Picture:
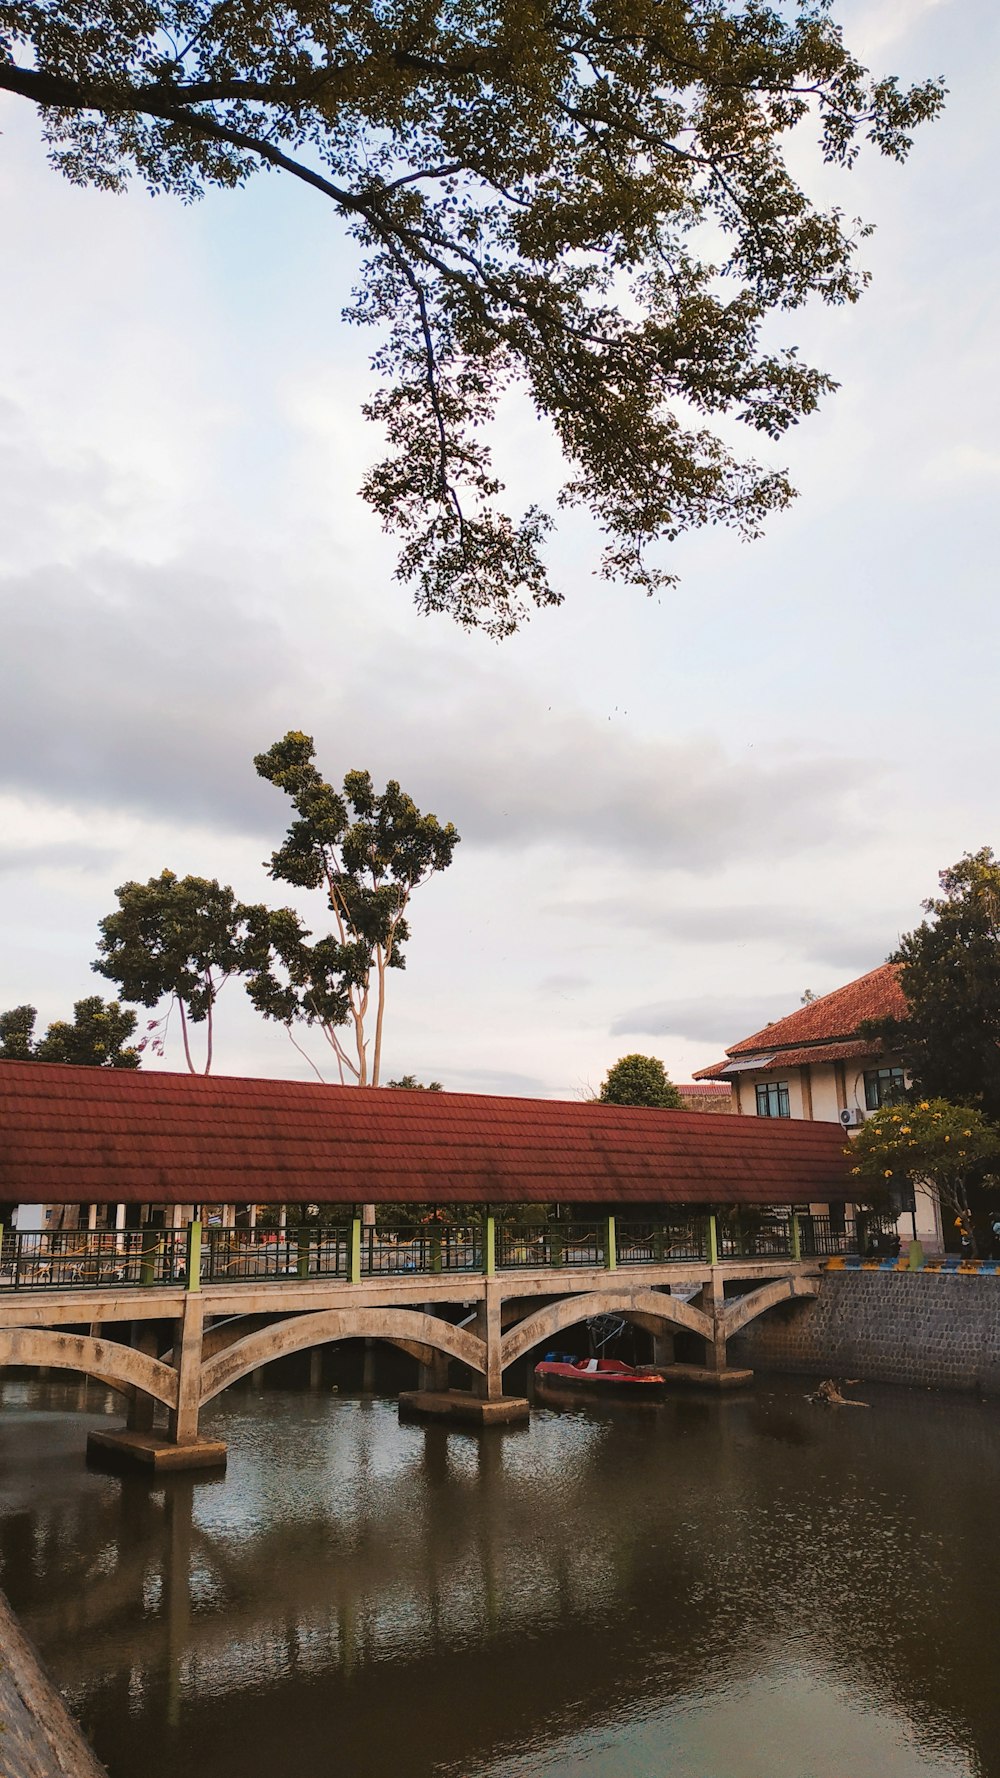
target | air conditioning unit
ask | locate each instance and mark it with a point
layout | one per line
(851, 1117)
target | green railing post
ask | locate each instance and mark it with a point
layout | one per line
(611, 1246)
(712, 1239)
(796, 1236)
(490, 1246)
(192, 1260)
(354, 1258)
(556, 1246)
(435, 1250)
(302, 1244)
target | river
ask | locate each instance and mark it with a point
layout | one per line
(746, 1588)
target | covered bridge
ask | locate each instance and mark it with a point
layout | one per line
(97, 1136)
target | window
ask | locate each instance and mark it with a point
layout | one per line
(883, 1086)
(772, 1100)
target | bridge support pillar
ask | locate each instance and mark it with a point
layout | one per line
(488, 1327)
(187, 1361)
(141, 1406)
(713, 1298)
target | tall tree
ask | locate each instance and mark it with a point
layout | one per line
(367, 853)
(640, 1080)
(97, 1036)
(589, 202)
(178, 938)
(950, 973)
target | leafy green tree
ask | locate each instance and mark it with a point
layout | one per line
(97, 1037)
(367, 853)
(410, 1083)
(181, 939)
(950, 973)
(17, 1034)
(640, 1080)
(590, 203)
(951, 1147)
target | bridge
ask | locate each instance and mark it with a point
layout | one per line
(465, 1229)
(172, 1318)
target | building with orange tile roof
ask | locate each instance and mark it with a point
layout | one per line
(816, 1065)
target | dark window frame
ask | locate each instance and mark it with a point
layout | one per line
(772, 1098)
(884, 1086)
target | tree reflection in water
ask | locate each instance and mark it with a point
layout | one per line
(743, 1588)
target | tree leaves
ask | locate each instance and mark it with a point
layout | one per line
(587, 202)
(97, 1037)
(368, 851)
(640, 1080)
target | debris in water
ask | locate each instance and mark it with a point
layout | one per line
(829, 1393)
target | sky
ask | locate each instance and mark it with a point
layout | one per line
(677, 813)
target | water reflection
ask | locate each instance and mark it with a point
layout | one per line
(752, 1588)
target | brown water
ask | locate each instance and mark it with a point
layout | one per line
(752, 1588)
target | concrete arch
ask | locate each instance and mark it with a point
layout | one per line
(122, 1367)
(756, 1302)
(549, 1321)
(297, 1332)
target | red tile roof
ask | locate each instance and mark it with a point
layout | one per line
(836, 1016)
(80, 1135)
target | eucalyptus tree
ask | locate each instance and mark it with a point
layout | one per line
(178, 939)
(367, 853)
(590, 201)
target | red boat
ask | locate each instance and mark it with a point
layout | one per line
(601, 1374)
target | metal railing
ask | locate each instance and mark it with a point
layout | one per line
(75, 1259)
(233, 1255)
(756, 1236)
(527, 1246)
(84, 1259)
(656, 1243)
(422, 1247)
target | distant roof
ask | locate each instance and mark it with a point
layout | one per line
(83, 1135)
(834, 1018)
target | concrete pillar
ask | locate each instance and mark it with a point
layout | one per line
(713, 1302)
(282, 1218)
(434, 1374)
(663, 1348)
(91, 1216)
(489, 1329)
(119, 1227)
(187, 1362)
(141, 1406)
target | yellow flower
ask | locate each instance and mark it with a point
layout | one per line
(924, 1105)
(966, 1132)
(905, 1130)
(947, 1138)
(888, 1173)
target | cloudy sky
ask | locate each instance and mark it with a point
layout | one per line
(677, 813)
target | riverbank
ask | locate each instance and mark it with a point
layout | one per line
(934, 1330)
(38, 1737)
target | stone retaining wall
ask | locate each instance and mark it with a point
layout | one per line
(923, 1328)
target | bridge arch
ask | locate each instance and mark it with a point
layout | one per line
(547, 1322)
(403, 1327)
(744, 1309)
(107, 1361)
